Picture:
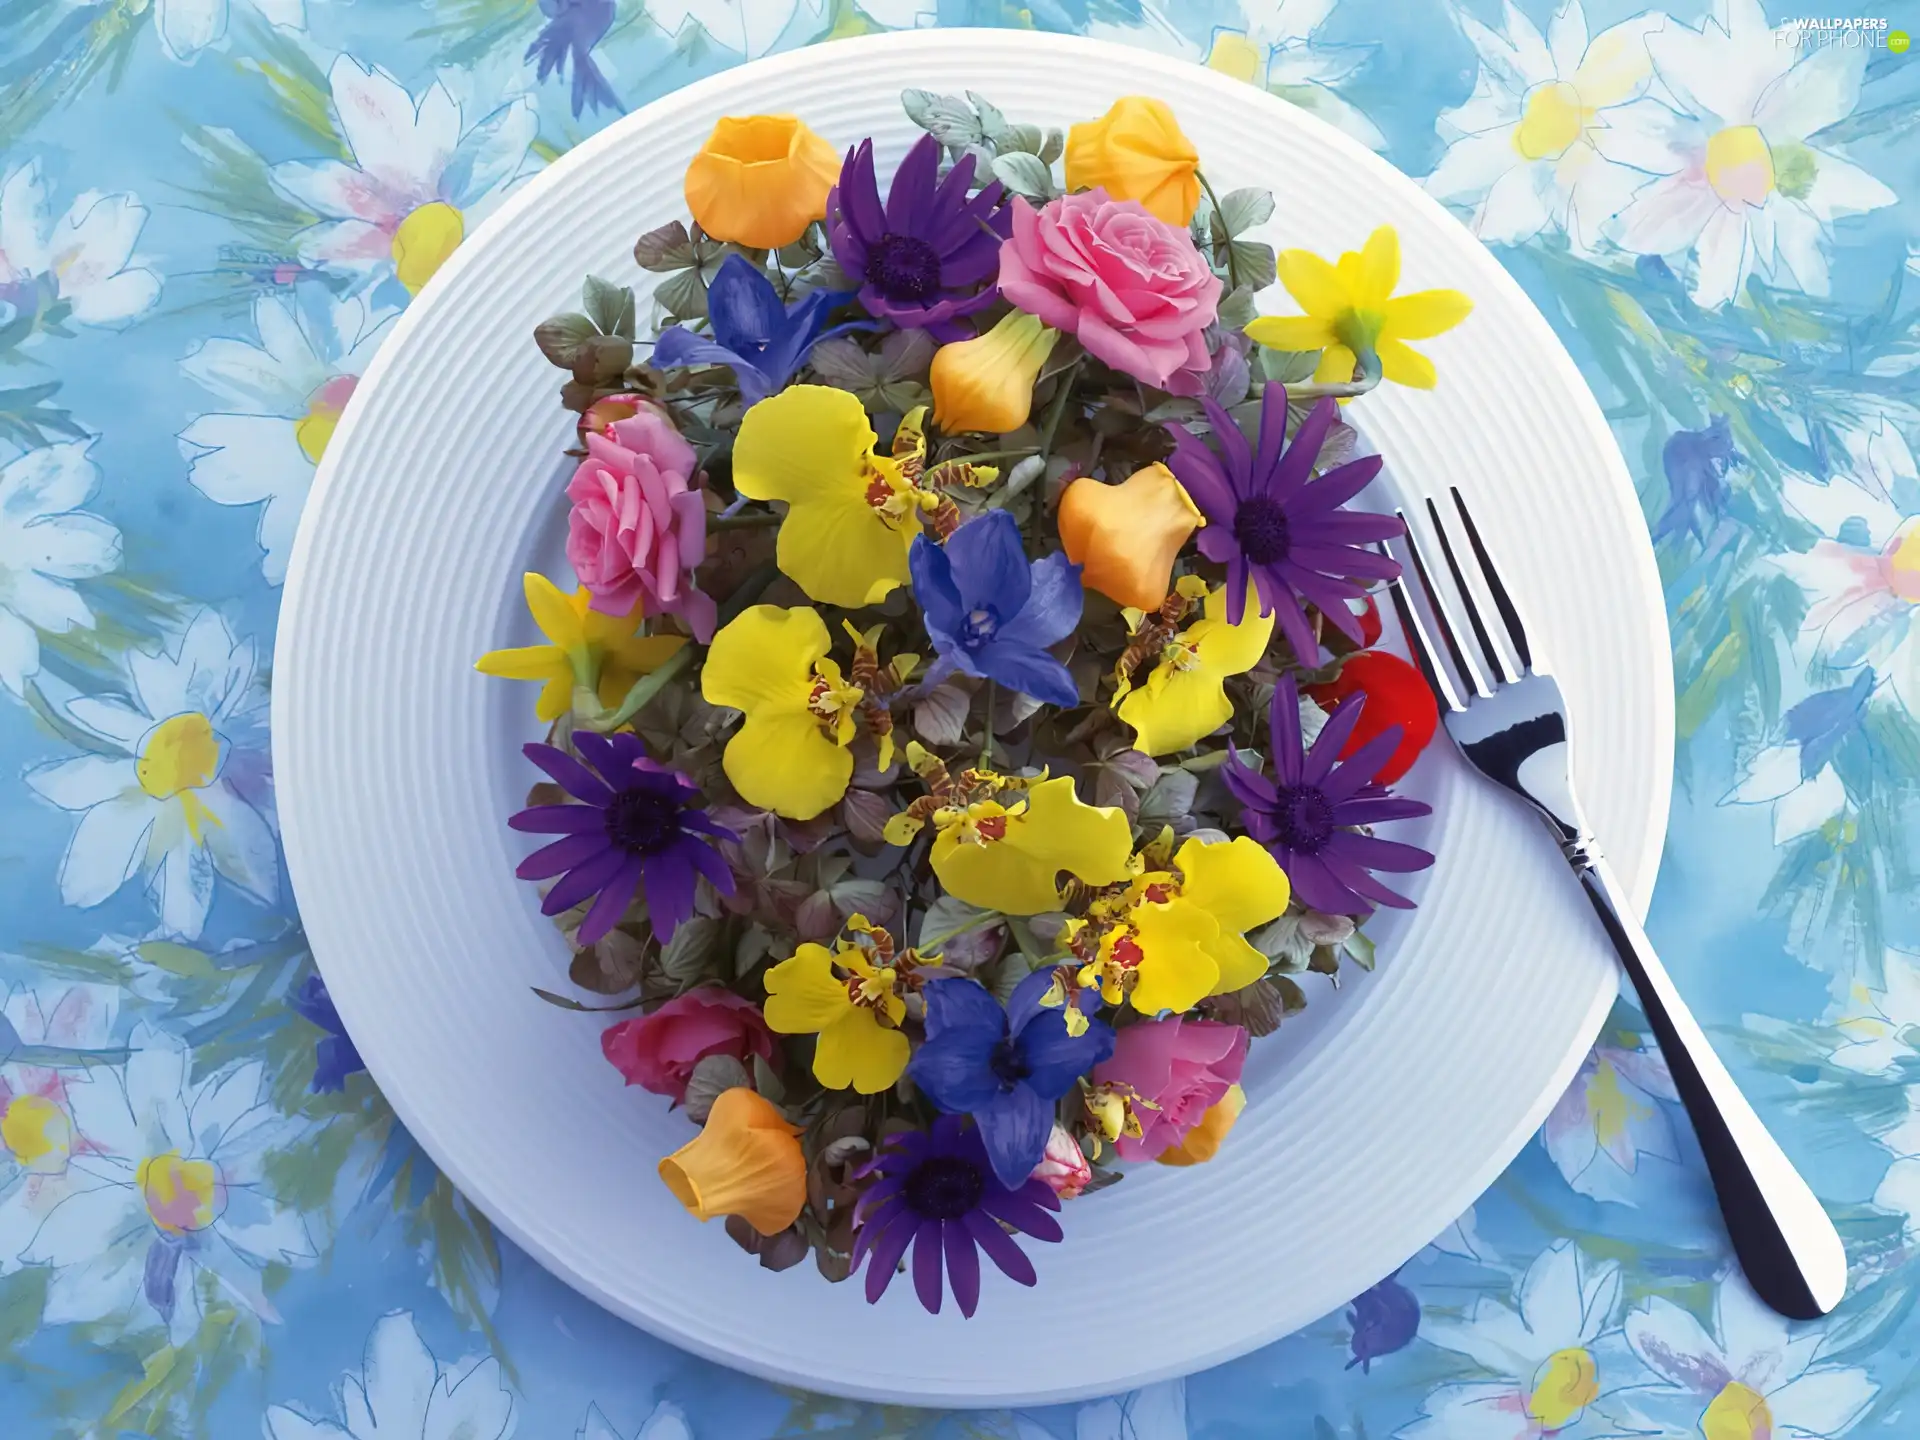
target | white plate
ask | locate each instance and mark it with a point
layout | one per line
(1374, 1121)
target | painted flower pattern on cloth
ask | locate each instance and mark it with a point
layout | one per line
(1745, 183)
(404, 1393)
(83, 265)
(422, 174)
(1538, 1351)
(281, 400)
(1748, 1374)
(173, 794)
(1610, 1117)
(47, 542)
(1527, 151)
(179, 1210)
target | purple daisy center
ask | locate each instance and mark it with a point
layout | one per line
(1261, 530)
(642, 821)
(1303, 818)
(904, 268)
(944, 1187)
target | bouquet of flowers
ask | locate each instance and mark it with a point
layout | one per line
(964, 728)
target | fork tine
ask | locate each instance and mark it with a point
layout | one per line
(1509, 613)
(1424, 655)
(1497, 666)
(1463, 666)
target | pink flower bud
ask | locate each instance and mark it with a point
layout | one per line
(1063, 1167)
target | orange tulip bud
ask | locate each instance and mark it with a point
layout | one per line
(986, 383)
(1202, 1142)
(760, 180)
(1127, 535)
(746, 1162)
(1137, 152)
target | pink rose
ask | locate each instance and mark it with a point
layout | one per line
(1131, 287)
(1063, 1167)
(638, 526)
(1183, 1066)
(658, 1052)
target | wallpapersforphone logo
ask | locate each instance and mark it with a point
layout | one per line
(1854, 32)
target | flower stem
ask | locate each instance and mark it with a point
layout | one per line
(986, 727)
(1059, 407)
(1366, 363)
(676, 664)
(1233, 270)
(978, 455)
(745, 520)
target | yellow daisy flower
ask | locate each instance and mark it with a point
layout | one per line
(1351, 309)
(1185, 696)
(600, 654)
(852, 1004)
(790, 754)
(852, 513)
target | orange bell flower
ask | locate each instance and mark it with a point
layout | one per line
(760, 180)
(1202, 1142)
(986, 384)
(1127, 535)
(1136, 151)
(746, 1162)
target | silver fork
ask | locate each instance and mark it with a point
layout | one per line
(1511, 724)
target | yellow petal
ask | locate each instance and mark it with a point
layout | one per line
(812, 447)
(557, 614)
(524, 662)
(1336, 364)
(857, 1052)
(784, 763)
(1017, 875)
(804, 996)
(1176, 971)
(1240, 963)
(1175, 708)
(1424, 313)
(1379, 268)
(763, 659)
(1616, 66)
(1236, 881)
(1234, 54)
(1314, 283)
(1291, 332)
(1404, 365)
(1231, 649)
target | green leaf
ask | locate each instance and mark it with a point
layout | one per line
(1007, 975)
(664, 249)
(1170, 798)
(1253, 262)
(948, 917)
(1053, 147)
(1241, 210)
(1025, 174)
(1359, 949)
(1237, 309)
(766, 1082)
(683, 295)
(1289, 367)
(1024, 138)
(993, 125)
(561, 337)
(609, 306)
(690, 956)
(947, 118)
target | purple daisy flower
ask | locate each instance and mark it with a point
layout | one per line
(931, 255)
(1306, 814)
(638, 829)
(1268, 519)
(936, 1190)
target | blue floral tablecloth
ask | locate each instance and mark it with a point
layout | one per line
(211, 211)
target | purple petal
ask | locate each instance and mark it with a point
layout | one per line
(989, 564)
(605, 912)
(963, 1266)
(1021, 1213)
(1198, 470)
(1377, 854)
(568, 773)
(710, 863)
(1248, 785)
(1273, 433)
(669, 881)
(1054, 601)
(1332, 737)
(1345, 527)
(559, 820)
(1283, 726)
(859, 195)
(1316, 886)
(957, 1003)
(926, 1265)
(908, 199)
(1373, 809)
(1297, 464)
(1342, 560)
(1335, 487)
(872, 1224)
(933, 586)
(1014, 1125)
(586, 880)
(1001, 1249)
(1041, 1194)
(1029, 670)
(1235, 454)
(1362, 883)
(883, 1257)
(1277, 597)
(1356, 772)
(562, 855)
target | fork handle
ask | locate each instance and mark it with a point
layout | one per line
(1788, 1247)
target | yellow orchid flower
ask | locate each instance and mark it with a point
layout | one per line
(601, 654)
(1185, 696)
(790, 754)
(852, 513)
(852, 1004)
(1181, 937)
(1009, 857)
(1351, 309)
